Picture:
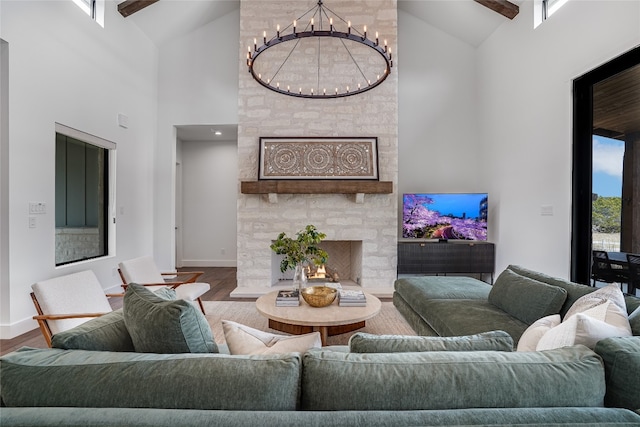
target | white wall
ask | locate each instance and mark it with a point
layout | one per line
(525, 77)
(440, 149)
(65, 68)
(209, 200)
(438, 122)
(197, 84)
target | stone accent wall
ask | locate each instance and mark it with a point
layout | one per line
(266, 113)
(73, 244)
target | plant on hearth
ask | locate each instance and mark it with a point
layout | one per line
(301, 250)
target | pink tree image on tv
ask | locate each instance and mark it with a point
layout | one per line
(447, 216)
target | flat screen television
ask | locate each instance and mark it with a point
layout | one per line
(444, 216)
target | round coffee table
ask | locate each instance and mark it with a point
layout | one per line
(330, 320)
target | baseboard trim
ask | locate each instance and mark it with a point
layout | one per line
(13, 330)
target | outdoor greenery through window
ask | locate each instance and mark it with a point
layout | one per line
(606, 209)
(82, 199)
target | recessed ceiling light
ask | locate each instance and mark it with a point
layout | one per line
(216, 132)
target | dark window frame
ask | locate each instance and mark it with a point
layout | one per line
(582, 174)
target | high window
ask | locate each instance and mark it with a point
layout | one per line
(543, 9)
(549, 7)
(82, 195)
(93, 8)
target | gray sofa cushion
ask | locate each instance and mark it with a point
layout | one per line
(104, 333)
(622, 367)
(361, 342)
(158, 325)
(524, 298)
(419, 293)
(419, 325)
(52, 377)
(570, 376)
(451, 317)
(441, 287)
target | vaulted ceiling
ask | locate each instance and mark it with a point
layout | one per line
(471, 21)
(616, 101)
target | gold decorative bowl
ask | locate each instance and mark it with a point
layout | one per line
(319, 296)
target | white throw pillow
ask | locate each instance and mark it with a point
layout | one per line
(610, 293)
(587, 328)
(242, 339)
(531, 336)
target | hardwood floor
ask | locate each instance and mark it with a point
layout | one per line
(221, 279)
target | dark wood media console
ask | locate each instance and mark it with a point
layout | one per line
(452, 257)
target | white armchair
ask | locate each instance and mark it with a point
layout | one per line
(143, 271)
(67, 301)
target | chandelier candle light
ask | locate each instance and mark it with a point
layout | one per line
(342, 63)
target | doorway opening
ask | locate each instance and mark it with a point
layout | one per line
(206, 195)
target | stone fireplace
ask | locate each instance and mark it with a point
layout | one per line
(363, 224)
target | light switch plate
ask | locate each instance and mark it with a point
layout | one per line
(546, 210)
(37, 208)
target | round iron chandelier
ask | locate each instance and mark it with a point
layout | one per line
(328, 58)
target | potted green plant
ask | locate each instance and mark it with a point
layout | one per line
(300, 252)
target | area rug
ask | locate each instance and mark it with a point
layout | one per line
(388, 321)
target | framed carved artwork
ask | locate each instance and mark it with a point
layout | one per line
(318, 158)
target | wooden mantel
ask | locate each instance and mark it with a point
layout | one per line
(324, 186)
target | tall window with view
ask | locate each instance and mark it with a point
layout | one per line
(606, 211)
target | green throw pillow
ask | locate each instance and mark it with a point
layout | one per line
(361, 342)
(524, 298)
(621, 357)
(166, 293)
(104, 333)
(158, 325)
(634, 321)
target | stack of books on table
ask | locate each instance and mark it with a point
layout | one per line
(351, 298)
(288, 298)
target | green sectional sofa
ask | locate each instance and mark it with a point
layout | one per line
(46, 387)
(98, 379)
(454, 306)
(451, 306)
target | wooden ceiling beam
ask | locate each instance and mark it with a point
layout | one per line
(503, 7)
(129, 7)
